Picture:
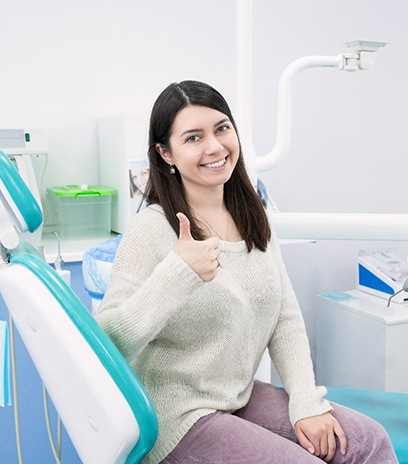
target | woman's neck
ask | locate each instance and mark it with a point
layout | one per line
(210, 202)
(213, 218)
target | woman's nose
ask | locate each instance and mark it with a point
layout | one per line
(212, 145)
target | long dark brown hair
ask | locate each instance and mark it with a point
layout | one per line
(166, 189)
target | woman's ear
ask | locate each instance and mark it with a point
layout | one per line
(165, 154)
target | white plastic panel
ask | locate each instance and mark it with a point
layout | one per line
(94, 412)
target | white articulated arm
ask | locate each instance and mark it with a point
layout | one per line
(361, 58)
(340, 226)
(284, 106)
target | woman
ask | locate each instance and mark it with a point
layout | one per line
(198, 291)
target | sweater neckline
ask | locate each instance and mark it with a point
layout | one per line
(231, 247)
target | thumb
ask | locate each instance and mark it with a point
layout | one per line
(184, 233)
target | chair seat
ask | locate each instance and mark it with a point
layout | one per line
(389, 409)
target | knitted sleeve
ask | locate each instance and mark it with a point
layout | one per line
(148, 283)
(289, 350)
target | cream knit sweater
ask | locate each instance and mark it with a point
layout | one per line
(196, 346)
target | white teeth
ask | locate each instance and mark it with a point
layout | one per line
(216, 165)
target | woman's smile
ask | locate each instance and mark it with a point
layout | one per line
(216, 164)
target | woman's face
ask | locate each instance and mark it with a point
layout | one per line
(203, 146)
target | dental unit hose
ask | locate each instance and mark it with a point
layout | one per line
(55, 447)
(59, 263)
(403, 289)
(58, 260)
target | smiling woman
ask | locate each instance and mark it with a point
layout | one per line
(199, 291)
(197, 167)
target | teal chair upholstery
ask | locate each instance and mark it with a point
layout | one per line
(389, 409)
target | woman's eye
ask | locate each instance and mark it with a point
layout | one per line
(223, 128)
(193, 138)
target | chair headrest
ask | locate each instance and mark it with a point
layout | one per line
(19, 210)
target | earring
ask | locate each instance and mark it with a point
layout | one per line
(172, 169)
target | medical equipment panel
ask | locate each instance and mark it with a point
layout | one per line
(383, 273)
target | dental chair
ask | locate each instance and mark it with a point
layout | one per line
(105, 410)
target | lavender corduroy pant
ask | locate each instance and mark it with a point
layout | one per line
(260, 433)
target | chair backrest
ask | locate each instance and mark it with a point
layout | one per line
(106, 411)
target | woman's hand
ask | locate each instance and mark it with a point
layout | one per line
(201, 256)
(317, 435)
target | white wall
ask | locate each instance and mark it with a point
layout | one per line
(67, 64)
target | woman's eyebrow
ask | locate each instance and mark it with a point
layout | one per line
(190, 131)
(222, 121)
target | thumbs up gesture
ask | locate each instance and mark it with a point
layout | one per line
(200, 255)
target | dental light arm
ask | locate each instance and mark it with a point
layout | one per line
(284, 107)
(326, 226)
(340, 226)
(361, 58)
(304, 226)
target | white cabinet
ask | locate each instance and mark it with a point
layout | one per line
(123, 144)
(361, 343)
